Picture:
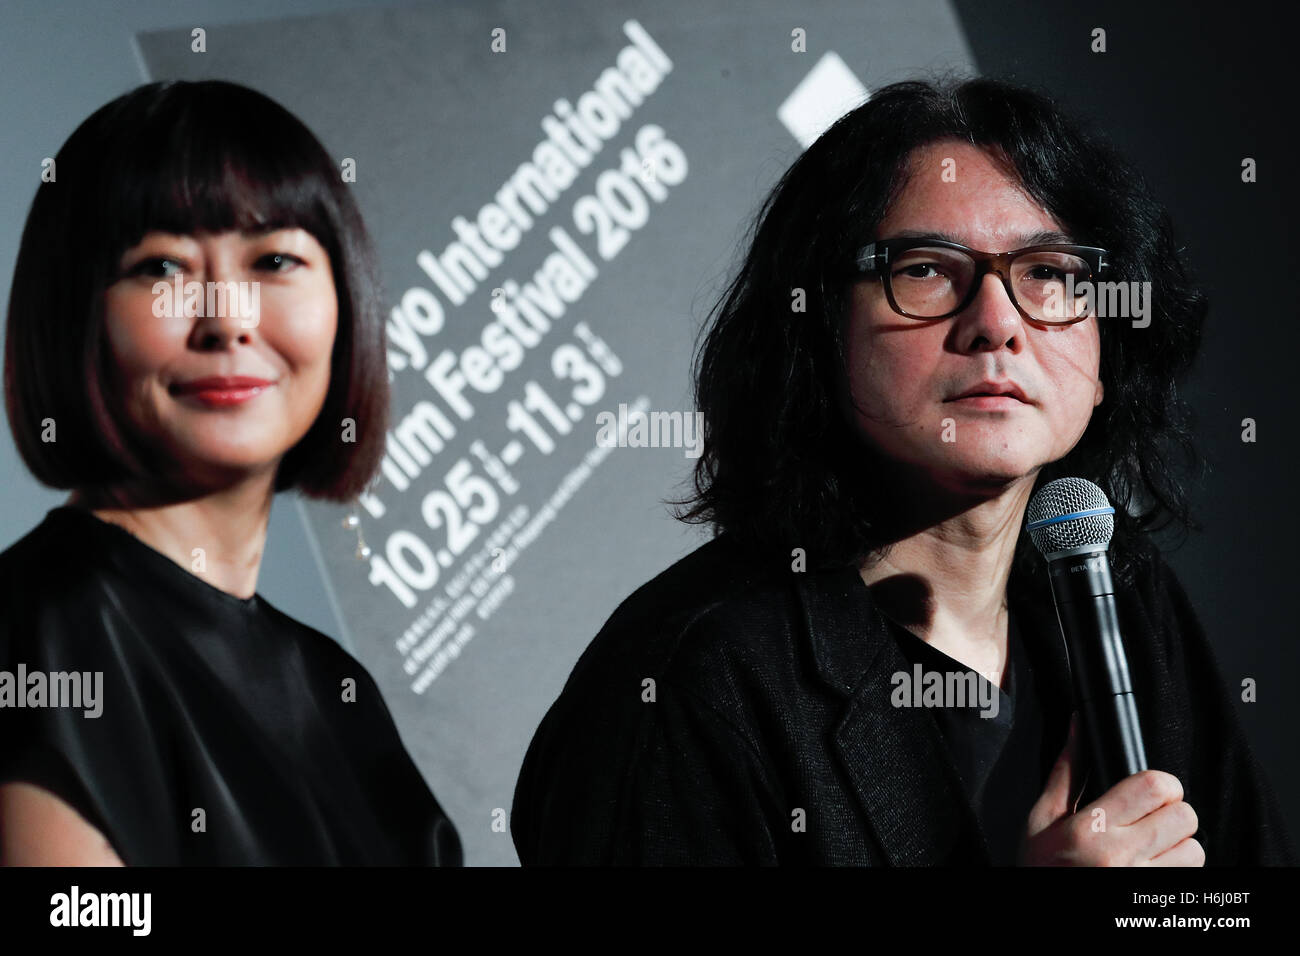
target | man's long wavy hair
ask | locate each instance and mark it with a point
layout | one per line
(783, 467)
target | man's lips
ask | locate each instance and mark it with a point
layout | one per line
(990, 402)
(1005, 389)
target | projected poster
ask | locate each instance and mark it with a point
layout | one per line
(558, 195)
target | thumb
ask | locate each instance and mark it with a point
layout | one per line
(1056, 801)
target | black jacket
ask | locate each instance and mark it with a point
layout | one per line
(719, 700)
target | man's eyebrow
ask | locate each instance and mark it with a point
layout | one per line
(1025, 239)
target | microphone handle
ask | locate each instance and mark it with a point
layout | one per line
(1085, 608)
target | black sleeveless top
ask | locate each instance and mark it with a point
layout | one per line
(192, 726)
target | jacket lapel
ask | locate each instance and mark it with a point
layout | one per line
(895, 757)
(1041, 630)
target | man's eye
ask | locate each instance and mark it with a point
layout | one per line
(1047, 274)
(279, 261)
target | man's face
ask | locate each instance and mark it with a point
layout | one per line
(905, 373)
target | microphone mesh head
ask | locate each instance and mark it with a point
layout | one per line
(1069, 513)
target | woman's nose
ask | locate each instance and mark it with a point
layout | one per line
(232, 299)
(220, 330)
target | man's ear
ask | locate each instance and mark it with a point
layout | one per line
(1101, 392)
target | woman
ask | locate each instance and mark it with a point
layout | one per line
(868, 490)
(212, 728)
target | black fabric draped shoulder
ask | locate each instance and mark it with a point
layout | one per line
(210, 729)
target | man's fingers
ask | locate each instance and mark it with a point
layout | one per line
(1136, 796)
(1055, 801)
(1187, 853)
(1163, 829)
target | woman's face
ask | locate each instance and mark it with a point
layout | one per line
(285, 341)
(904, 373)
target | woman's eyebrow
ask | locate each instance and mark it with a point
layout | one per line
(1025, 239)
(257, 232)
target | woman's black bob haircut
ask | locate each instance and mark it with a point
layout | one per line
(782, 466)
(184, 158)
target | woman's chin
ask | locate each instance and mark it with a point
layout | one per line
(206, 463)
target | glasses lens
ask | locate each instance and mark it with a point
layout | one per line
(1052, 286)
(930, 281)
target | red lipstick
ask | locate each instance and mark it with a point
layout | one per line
(222, 391)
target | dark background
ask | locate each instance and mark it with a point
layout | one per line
(1186, 91)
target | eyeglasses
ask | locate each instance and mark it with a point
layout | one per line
(935, 279)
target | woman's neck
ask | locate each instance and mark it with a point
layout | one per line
(219, 537)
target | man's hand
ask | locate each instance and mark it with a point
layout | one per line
(1146, 821)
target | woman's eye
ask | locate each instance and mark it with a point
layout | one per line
(156, 267)
(279, 261)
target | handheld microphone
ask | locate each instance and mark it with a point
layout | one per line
(1071, 521)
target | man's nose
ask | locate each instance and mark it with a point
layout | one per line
(991, 315)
